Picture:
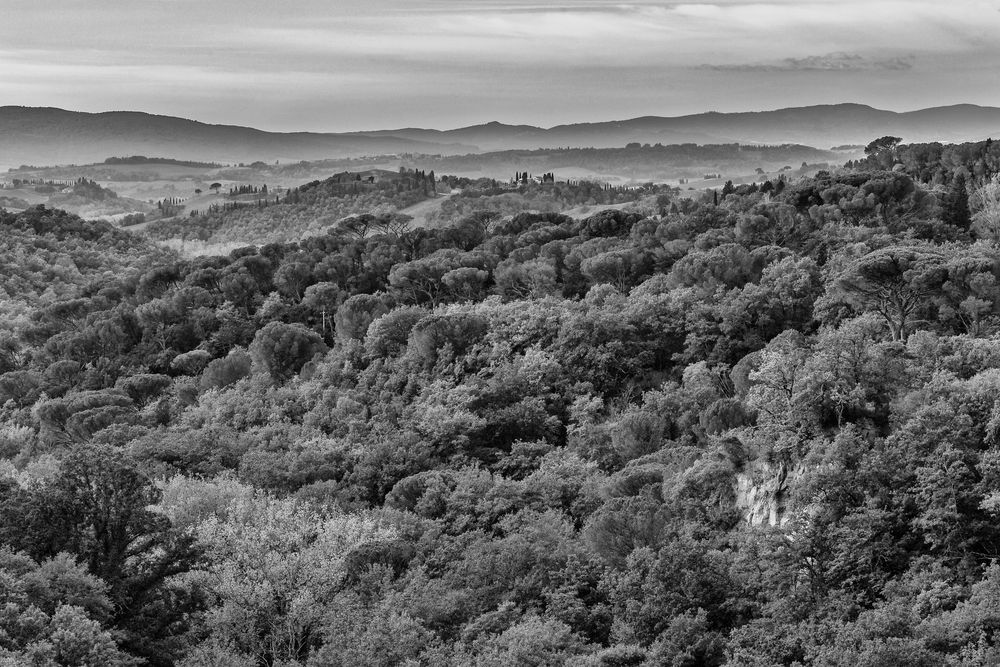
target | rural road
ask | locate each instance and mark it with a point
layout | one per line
(421, 210)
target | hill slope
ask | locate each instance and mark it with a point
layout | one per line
(54, 136)
(821, 126)
(48, 136)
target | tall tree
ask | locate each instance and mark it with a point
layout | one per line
(893, 282)
(955, 207)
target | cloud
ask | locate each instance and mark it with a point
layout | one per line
(830, 62)
(351, 65)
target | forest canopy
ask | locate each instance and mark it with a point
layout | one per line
(751, 427)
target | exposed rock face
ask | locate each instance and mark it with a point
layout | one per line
(762, 493)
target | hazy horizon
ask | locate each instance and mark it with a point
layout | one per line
(487, 121)
(425, 63)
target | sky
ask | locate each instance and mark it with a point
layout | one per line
(338, 65)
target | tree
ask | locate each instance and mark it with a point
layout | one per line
(531, 279)
(392, 223)
(276, 566)
(322, 300)
(895, 282)
(357, 225)
(97, 508)
(955, 207)
(292, 277)
(76, 417)
(64, 637)
(433, 333)
(224, 372)
(143, 387)
(985, 206)
(421, 280)
(969, 298)
(191, 363)
(530, 641)
(21, 387)
(387, 336)
(776, 381)
(465, 283)
(56, 581)
(281, 350)
(783, 298)
(621, 268)
(357, 313)
(882, 145)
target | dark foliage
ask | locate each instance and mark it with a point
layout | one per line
(752, 429)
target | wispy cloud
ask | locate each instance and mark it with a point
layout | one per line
(348, 65)
(830, 62)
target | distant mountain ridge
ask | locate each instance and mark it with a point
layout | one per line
(821, 126)
(44, 136)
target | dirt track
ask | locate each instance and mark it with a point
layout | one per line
(421, 210)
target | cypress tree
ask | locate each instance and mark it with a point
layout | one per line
(956, 202)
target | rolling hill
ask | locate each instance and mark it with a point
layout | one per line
(54, 136)
(821, 126)
(45, 136)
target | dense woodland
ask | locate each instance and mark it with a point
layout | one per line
(755, 428)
